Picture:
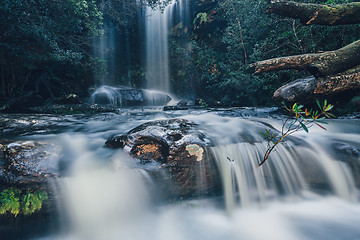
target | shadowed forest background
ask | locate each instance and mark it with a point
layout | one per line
(47, 49)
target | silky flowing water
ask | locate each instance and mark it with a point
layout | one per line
(306, 190)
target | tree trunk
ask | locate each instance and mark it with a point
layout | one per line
(317, 13)
(309, 88)
(318, 64)
(298, 90)
(338, 83)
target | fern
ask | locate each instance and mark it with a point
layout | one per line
(10, 202)
(25, 202)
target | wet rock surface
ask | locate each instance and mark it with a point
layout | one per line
(349, 154)
(14, 125)
(68, 99)
(122, 96)
(29, 162)
(180, 152)
(71, 108)
(29, 167)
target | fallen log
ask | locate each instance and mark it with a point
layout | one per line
(318, 64)
(297, 90)
(320, 14)
(333, 71)
(337, 83)
(305, 89)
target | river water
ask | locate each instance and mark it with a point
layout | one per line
(308, 189)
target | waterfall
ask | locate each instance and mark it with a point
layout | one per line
(157, 27)
(157, 52)
(104, 48)
(300, 166)
(290, 173)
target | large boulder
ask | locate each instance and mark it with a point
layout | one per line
(175, 153)
(125, 96)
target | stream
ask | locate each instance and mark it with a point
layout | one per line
(308, 189)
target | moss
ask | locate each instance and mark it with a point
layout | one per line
(25, 202)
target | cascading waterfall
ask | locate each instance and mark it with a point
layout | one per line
(247, 185)
(157, 50)
(288, 172)
(157, 27)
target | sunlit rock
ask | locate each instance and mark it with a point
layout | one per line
(195, 150)
(185, 163)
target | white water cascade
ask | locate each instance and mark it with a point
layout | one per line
(157, 50)
(157, 27)
(308, 189)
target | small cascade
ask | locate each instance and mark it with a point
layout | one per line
(289, 174)
(155, 98)
(107, 95)
(124, 96)
(245, 184)
(102, 198)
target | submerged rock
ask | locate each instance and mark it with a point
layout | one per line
(181, 153)
(174, 108)
(349, 154)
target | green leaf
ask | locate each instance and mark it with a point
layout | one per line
(323, 122)
(331, 115)
(329, 107)
(304, 127)
(318, 103)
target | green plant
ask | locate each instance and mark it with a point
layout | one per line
(298, 120)
(17, 201)
(9, 201)
(201, 18)
(32, 201)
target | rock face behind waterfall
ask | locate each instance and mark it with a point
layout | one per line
(184, 163)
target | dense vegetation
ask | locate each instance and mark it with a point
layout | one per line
(46, 48)
(236, 33)
(46, 45)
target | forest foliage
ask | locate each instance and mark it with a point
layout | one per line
(241, 33)
(45, 43)
(47, 47)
